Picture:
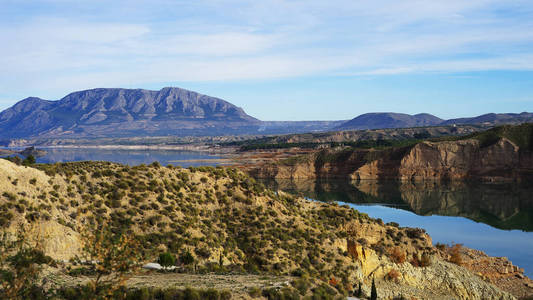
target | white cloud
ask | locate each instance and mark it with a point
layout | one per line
(135, 42)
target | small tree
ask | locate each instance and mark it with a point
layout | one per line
(374, 291)
(166, 259)
(111, 257)
(29, 160)
(186, 257)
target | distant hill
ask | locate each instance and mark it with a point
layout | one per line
(397, 120)
(493, 119)
(390, 120)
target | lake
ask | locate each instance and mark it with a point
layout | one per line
(130, 157)
(494, 218)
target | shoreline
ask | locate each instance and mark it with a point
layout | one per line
(188, 147)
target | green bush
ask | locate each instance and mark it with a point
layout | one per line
(186, 257)
(30, 160)
(167, 259)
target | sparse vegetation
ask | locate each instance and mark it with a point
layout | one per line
(20, 267)
(110, 257)
(149, 293)
(397, 255)
(455, 254)
(202, 220)
(393, 275)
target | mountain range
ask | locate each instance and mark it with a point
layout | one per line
(116, 112)
(123, 112)
(398, 120)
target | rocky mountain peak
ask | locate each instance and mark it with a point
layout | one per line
(95, 110)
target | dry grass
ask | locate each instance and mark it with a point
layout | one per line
(397, 255)
(455, 254)
(393, 275)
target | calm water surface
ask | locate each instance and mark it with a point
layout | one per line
(494, 218)
(130, 157)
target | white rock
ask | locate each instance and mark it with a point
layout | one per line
(152, 266)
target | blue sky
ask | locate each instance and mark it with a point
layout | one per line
(279, 60)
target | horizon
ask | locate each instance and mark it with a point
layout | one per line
(310, 61)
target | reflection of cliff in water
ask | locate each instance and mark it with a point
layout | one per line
(502, 205)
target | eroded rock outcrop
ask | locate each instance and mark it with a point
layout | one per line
(449, 160)
(403, 274)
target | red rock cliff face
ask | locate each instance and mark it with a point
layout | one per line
(455, 160)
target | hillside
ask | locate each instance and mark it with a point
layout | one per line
(502, 153)
(352, 138)
(228, 223)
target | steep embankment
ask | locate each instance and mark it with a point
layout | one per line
(229, 222)
(502, 153)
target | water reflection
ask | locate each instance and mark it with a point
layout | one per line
(500, 205)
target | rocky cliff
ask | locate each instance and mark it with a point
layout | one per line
(448, 160)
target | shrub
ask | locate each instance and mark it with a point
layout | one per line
(186, 257)
(254, 292)
(425, 261)
(440, 246)
(397, 255)
(394, 224)
(455, 254)
(30, 160)
(202, 252)
(415, 233)
(302, 285)
(393, 275)
(166, 259)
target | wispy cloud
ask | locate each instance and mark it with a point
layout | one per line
(63, 46)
